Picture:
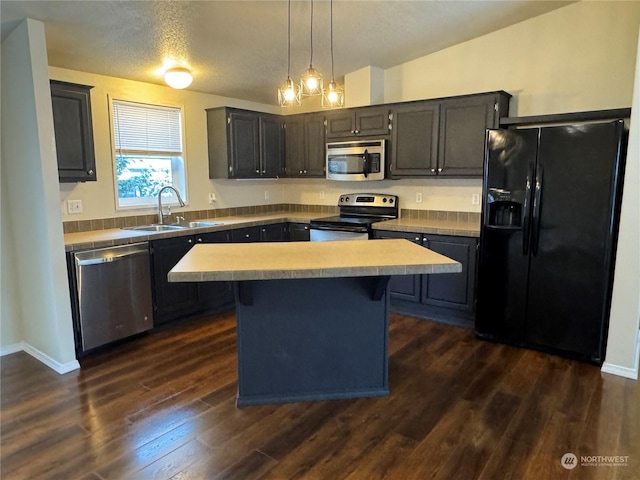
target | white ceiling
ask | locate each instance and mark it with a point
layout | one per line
(239, 48)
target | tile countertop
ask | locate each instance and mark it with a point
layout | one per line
(441, 227)
(117, 236)
(298, 260)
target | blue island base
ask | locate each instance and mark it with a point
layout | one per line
(312, 339)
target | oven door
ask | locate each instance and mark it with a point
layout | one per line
(327, 233)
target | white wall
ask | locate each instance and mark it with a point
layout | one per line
(35, 287)
(623, 352)
(579, 57)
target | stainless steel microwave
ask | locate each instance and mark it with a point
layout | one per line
(356, 161)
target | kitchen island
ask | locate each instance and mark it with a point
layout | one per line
(312, 317)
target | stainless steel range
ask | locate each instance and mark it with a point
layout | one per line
(358, 212)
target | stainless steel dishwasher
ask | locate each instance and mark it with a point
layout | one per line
(114, 293)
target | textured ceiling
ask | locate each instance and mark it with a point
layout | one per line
(239, 48)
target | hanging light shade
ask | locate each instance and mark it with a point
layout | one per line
(333, 95)
(178, 77)
(311, 80)
(289, 92)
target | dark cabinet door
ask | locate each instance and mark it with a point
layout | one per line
(272, 146)
(372, 121)
(462, 132)
(73, 128)
(299, 232)
(305, 142)
(451, 290)
(273, 233)
(403, 287)
(414, 146)
(244, 144)
(215, 296)
(314, 145)
(340, 124)
(359, 122)
(245, 235)
(171, 300)
(295, 145)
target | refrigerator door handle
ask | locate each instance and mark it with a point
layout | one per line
(537, 205)
(526, 207)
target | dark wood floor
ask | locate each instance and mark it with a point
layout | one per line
(162, 407)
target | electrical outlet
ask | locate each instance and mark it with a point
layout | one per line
(266, 194)
(418, 197)
(74, 207)
(212, 198)
(321, 194)
(475, 199)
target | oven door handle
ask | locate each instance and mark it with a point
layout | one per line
(339, 228)
(366, 164)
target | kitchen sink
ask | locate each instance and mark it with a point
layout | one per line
(154, 228)
(195, 224)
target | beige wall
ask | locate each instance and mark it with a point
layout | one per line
(579, 57)
(35, 278)
(623, 351)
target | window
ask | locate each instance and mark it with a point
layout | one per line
(148, 153)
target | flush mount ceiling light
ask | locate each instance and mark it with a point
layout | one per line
(311, 80)
(289, 92)
(333, 95)
(178, 77)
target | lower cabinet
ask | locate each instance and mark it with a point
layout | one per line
(173, 301)
(447, 297)
(299, 232)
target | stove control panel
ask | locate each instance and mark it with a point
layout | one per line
(367, 200)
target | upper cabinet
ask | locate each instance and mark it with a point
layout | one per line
(414, 145)
(441, 137)
(444, 137)
(71, 106)
(357, 122)
(304, 141)
(245, 144)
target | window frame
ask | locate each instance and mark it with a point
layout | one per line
(148, 202)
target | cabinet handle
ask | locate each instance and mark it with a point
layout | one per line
(417, 240)
(89, 172)
(247, 235)
(264, 171)
(433, 169)
(306, 227)
(356, 132)
(199, 240)
(305, 171)
(190, 240)
(440, 169)
(257, 171)
(300, 171)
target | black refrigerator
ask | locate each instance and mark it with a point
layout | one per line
(550, 213)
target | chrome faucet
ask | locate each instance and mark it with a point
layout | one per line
(161, 215)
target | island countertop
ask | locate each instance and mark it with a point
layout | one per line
(297, 260)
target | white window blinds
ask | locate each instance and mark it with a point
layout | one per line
(140, 128)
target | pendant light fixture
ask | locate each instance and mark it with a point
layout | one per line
(311, 80)
(333, 95)
(289, 92)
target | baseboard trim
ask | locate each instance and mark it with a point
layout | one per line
(13, 348)
(626, 372)
(58, 367)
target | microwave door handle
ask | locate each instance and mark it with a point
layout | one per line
(365, 164)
